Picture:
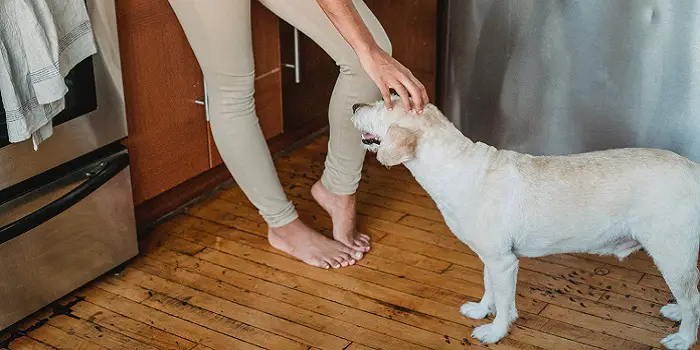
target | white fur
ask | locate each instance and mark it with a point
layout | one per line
(505, 205)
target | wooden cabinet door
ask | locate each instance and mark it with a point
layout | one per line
(305, 102)
(268, 78)
(168, 139)
(413, 35)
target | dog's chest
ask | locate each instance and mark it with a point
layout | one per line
(461, 220)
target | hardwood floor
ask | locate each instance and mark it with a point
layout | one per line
(208, 279)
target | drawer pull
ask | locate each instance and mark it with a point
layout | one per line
(204, 102)
(297, 69)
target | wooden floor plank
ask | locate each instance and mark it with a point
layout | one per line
(218, 264)
(60, 339)
(597, 295)
(201, 347)
(226, 316)
(425, 224)
(163, 321)
(601, 340)
(27, 343)
(97, 334)
(302, 323)
(594, 267)
(407, 258)
(356, 346)
(111, 284)
(400, 298)
(632, 263)
(654, 281)
(307, 302)
(628, 302)
(189, 308)
(137, 330)
(598, 324)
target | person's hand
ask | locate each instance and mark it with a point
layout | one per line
(388, 73)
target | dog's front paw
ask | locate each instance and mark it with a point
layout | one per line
(489, 333)
(677, 341)
(475, 311)
(672, 312)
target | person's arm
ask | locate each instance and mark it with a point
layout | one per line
(385, 71)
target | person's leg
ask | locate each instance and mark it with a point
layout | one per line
(219, 32)
(335, 191)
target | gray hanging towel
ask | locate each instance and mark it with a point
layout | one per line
(40, 42)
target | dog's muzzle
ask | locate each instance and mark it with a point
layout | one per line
(369, 139)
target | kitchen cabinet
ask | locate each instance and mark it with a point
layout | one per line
(173, 156)
(167, 141)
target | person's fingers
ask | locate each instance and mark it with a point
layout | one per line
(386, 95)
(424, 92)
(416, 95)
(401, 90)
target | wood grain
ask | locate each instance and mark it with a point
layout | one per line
(167, 131)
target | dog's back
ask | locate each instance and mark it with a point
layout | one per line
(616, 195)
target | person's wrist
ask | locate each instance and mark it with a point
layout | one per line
(367, 50)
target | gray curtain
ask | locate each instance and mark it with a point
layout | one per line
(566, 76)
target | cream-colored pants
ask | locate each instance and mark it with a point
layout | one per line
(220, 34)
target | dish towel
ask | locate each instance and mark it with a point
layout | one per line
(40, 42)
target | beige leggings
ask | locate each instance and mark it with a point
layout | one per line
(219, 32)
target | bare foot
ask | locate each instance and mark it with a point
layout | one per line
(311, 247)
(343, 213)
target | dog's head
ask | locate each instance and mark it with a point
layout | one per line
(392, 134)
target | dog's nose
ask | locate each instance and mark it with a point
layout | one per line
(356, 106)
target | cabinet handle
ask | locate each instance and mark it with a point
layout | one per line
(204, 103)
(297, 69)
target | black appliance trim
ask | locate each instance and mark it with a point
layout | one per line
(111, 168)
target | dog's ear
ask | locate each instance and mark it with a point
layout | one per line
(398, 146)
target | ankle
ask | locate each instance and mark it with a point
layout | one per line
(345, 200)
(322, 193)
(286, 230)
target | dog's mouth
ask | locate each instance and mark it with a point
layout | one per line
(369, 139)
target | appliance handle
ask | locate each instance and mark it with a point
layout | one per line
(95, 180)
(297, 68)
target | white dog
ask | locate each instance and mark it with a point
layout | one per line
(505, 204)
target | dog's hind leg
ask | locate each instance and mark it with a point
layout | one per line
(502, 274)
(625, 248)
(678, 265)
(484, 307)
